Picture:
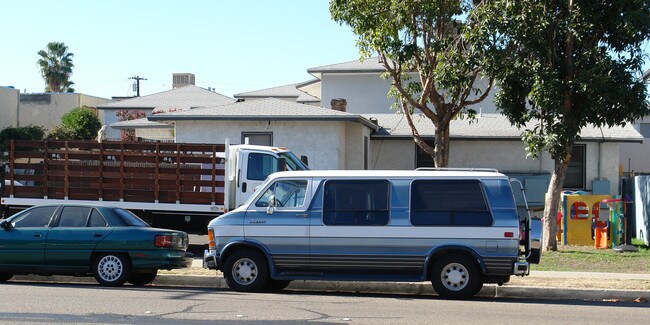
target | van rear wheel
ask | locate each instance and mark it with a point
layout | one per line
(455, 276)
(246, 270)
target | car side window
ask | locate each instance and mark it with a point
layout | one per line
(74, 217)
(287, 194)
(96, 219)
(34, 218)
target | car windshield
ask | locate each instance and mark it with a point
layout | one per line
(124, 218)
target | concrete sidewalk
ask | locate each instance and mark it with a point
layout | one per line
(415, 288)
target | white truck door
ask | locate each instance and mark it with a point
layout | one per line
(253, 169)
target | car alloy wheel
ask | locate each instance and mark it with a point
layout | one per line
(111, 269)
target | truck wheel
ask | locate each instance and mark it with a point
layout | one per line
(112, 269)
(140, 279)
(4, 277)
(246, 270)
(455, 276)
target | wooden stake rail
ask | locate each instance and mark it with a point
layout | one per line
(113, 171)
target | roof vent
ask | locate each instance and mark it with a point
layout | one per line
(182, 79)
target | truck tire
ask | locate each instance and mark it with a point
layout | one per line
(456, 276)
(246, 270)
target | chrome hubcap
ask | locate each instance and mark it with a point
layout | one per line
(244, 271)
(454, 276)
(110, 268)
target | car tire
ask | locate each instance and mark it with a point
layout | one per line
(456, 276)
(112, 269)
(4, 277)
(140, 279)
(277, 285)
(246, 270)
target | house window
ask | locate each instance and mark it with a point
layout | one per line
(258, 138)
(575, 174)
(423, 159)
(356, 203)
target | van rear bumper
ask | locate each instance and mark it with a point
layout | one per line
(521, 268)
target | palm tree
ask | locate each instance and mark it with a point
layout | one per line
(56, 67)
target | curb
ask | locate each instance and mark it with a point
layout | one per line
(399, 288)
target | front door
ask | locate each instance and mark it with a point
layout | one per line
(70, 242)
(279, 221)
(23, 244)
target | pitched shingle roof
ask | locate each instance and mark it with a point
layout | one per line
(141, 123)
(280, 91)
(487, 126)
(181, 98)
(263, 109)
(368, 65)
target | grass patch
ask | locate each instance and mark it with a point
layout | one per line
(589, 259)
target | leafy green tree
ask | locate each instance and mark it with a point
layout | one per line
(30, 132)
(56, 67)
(80, 123)
(423, 46)
(569, 63)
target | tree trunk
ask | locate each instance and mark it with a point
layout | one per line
(552, 204)
(441, 147)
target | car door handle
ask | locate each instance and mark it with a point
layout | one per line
(38, 235)
(97, 235)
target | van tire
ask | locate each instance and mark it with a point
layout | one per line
(455, 276)
(246, 270)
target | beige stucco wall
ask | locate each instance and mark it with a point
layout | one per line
(354, 148)
(505, 156)
(8, 107)
(323, 142)
(46, 109)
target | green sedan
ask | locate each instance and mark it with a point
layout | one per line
(110, 243)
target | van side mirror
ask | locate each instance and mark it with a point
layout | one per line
(271, 207)
(304, 160)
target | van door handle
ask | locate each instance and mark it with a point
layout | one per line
(304, 215)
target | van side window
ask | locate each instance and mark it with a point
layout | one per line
(449, 203)
(260, 166)
(356, 203)
(287, 193)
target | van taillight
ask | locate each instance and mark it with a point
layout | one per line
(211, 243)
(163, 241)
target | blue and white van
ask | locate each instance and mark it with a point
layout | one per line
(458, 229)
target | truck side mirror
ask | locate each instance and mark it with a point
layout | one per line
(304, 160)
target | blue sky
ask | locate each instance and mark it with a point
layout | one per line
(233, 46)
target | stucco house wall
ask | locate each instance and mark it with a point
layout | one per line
(46, 109)
(323, 142)
(9, 100)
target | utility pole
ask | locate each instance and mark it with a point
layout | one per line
(137, 84)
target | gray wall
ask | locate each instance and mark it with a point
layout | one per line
(9, 99)
(46, 109)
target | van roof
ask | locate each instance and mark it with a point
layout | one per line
(465, 173)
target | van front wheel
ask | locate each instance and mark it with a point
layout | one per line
(246, 270)
(455, 276)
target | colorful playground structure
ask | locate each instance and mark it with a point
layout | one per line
(591, 220)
